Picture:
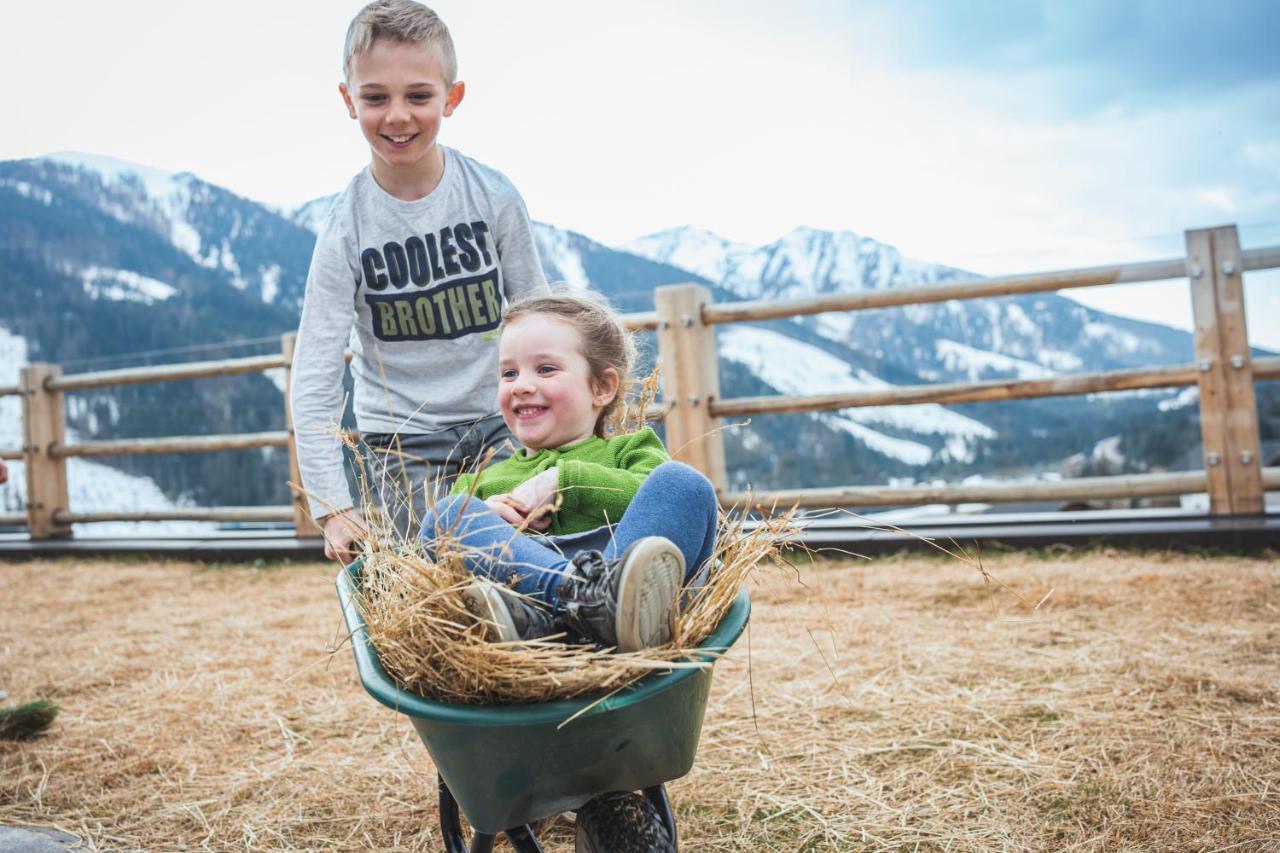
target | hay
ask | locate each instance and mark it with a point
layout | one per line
(1136, 710)
(432, 645)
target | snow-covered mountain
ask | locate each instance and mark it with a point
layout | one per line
(805, 262)
(100, 258)
(1026, 337)
(242, 242)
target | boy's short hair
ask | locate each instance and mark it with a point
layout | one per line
(401, 21)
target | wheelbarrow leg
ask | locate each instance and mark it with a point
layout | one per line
(482, 843)
(450, 825)
(657, 797)
(521, 837)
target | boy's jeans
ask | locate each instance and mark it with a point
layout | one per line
(411, 471)
(674, 501)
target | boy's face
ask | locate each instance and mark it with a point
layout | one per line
(399, 95)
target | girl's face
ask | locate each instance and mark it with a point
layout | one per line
(546, 392)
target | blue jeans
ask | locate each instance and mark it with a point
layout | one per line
(675, 501)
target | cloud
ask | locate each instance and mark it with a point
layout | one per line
(1098, 54)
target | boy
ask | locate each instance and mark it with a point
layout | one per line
(419, 253)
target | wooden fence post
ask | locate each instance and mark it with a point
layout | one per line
(44, 427)
(690, 379)
(303, 523)
(1228, 405)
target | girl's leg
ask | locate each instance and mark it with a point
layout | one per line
(677, 502)
(493, 548)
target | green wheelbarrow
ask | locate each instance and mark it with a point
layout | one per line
(508, 766)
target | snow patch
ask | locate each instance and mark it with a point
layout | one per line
(91, 486)
(1186, 397)
(793, 367)
(270, 283)
(1059, 360)
(27, 190)
(124, 286)
(1108, 451)
(311, 214)
(157, 182)
(1127, 341)
(836, 326)
(276, 375)
(975, 362)
(557, 252)
(1020, 322)
(910, 452)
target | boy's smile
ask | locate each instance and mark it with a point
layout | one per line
(398, 94)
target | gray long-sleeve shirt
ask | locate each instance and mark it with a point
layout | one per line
(417, 290)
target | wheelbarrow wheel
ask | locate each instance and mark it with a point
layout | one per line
(621, 822)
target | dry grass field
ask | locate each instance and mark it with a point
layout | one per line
(894, 704)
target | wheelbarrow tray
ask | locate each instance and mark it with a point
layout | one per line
(508, 765)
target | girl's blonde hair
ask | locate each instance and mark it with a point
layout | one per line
(604, 342)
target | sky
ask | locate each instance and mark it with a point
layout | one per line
(998, 137)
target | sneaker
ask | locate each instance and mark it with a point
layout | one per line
(507, 615)
(627, 604)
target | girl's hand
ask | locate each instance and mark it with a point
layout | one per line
(539, 493)
(509, 510)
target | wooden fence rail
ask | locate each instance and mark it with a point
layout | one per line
(171, 444)
(685, 316)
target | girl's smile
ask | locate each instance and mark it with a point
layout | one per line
(546, 390)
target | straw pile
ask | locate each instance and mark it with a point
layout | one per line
(890, 704)
(432, 645)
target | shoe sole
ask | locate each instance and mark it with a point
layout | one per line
(652, 569)
(487, 602)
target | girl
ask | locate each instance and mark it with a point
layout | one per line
(595, 533)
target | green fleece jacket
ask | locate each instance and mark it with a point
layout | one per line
(597, 477)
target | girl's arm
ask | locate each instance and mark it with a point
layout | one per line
(605, 491)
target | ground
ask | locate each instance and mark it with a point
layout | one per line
(898, 703)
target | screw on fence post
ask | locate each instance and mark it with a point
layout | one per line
(44, 427)
(690, 379)
(1228, 403)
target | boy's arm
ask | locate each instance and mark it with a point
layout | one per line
(605, 491)
(318, 364)
(517, 252)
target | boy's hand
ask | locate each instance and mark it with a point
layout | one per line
(341, 531)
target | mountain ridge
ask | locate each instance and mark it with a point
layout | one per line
(153, 260)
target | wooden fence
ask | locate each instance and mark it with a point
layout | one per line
(684, 316)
